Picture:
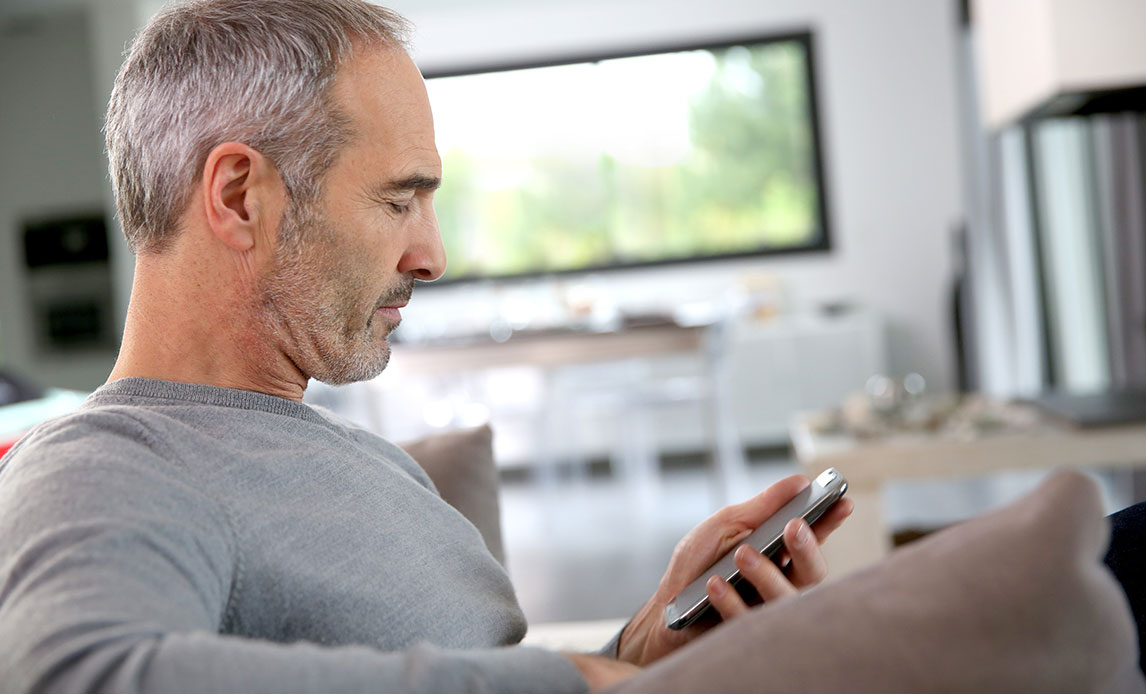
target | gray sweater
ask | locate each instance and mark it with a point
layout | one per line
(169, 537)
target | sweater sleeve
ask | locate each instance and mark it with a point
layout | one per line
(116, 577)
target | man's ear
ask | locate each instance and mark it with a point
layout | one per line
(240, 189)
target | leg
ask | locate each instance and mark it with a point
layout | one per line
(1126, 558)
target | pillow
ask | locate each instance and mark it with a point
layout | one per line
(460, 463)
(1014, 601)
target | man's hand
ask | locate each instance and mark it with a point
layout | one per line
(601, 672)
(647, 638)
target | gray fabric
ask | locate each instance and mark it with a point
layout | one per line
(612, 647)
(182, 538)
(1016, 601)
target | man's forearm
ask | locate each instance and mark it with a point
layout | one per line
(601, 672)
(210, 663)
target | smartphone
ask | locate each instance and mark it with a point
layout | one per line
(809, 504)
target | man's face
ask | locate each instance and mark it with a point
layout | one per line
(346, 264)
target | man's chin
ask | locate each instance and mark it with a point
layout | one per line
(354, 368)
(381, 326)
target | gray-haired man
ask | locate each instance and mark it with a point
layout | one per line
(195, 527)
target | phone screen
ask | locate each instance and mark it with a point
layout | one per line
(809, 504)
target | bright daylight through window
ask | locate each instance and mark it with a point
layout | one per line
(654, 158)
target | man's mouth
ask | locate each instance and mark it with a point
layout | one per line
(392, 314)
(391, 304)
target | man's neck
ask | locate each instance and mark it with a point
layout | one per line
(175, 331)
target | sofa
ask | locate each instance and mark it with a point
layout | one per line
(1013, 601)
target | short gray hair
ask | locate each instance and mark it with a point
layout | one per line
(205, 72)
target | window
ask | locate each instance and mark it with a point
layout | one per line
(668, 156)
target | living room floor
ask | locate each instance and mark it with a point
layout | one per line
(594, 547)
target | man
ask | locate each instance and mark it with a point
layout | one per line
(194, 526)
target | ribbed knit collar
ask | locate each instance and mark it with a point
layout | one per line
(151, 388)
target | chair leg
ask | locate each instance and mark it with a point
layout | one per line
(640, 462)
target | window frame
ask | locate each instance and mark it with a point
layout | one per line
(823, 243)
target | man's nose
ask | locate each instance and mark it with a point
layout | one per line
(425, 257)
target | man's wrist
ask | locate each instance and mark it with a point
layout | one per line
(630, 647)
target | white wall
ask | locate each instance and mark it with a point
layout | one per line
(112, 24)
(51, 164)
(887, 96)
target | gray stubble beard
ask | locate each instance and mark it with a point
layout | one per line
(318, 337)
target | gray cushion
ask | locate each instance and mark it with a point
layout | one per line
(1014, 601)
(460, 463)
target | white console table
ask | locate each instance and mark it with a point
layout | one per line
(870, 465)
(777, 367)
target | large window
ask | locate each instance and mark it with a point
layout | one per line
(671, 156)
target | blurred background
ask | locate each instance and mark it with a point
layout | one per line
(693, 248)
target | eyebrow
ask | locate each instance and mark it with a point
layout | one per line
(415, 182)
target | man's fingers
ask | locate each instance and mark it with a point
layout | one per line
(767, 578)
(833, 518)
(725, 598)
(760, 571)
(759, 508)
(808, 566)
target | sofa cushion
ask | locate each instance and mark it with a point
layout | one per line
(1014, 601)
(460, 463)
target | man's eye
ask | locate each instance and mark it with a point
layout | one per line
(400, 208)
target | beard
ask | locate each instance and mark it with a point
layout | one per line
(315, 299)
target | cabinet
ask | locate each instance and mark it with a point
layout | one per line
(1056, 57)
